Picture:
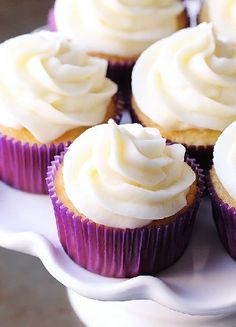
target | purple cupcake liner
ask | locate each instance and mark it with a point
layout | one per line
(121, 104)
(122, 253)
(120, 71)
(24, 166)
(225, 219)
(51, 20)
(187, 14)
(202, 153)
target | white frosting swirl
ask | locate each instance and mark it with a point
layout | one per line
(225, 159)
(118, 27)
(48, 85)
(187, 80)
(125, 176)
(222, 13)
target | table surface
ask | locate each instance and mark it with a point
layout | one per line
(29, 296)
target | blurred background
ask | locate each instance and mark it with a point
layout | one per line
(22, 16)
(29, 296)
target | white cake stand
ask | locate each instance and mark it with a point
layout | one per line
(199, 288)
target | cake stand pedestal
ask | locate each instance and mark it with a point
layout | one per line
(141, 313)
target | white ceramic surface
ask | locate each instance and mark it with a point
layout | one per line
(200, 283)
(140, 314)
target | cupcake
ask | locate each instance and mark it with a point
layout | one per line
(185, 85)
(124, 201)
(222, 13)
(221, 185)
(50, 92)
(118, 30)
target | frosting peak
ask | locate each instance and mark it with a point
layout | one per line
(188, 81)
(225, 159)
(49, 86)
(223, 15)
(118, 27)
(125, 176)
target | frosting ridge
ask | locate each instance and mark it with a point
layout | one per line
(188, 81)
(49, 86)
(125, 176)
(118, 27)
(225, 159)
(222, 13)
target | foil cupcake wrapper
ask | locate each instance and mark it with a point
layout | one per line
(225, 220)
(121, 104)
(51, 23)
(186, 11)
(122, 253)
(24, 166)
(202, 153)
(120, 71)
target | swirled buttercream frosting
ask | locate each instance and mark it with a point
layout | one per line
(222, 13)
(225, 159)
(126, 176)
(117, 27)
(187, 80)
(48, 85)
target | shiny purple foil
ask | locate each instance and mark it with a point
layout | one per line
(225, 220)
(51, 20)
(116, 252)
(202, 153)
(24, 166)
(120, 72)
